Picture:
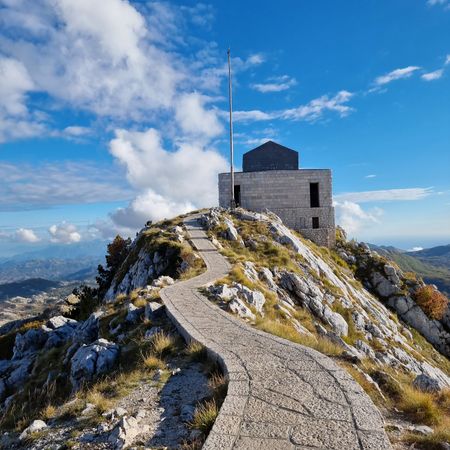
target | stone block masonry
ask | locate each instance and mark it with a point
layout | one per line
(287, 194)
(280, 395)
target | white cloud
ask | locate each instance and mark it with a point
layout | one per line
(255, 60)
(76, 131)
(276, 84)
(26, 235)
(415, 249)
(149, 206)
(250, 116)
(447, 60)
(26, 186)
(445, 3)
(169, 182)
(317, 107)
(352, 218)
(429, 76)
(396, 74)
(64, 233)
(194, 119)
(15, 119)
(385, 195)
(370, 176)
(312, 111)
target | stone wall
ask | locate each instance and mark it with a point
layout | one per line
(287, 194)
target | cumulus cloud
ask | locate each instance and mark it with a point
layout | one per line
(447, 60)
(251, 116)
(169, 182)
(26, 235)
(26, 186)
(415, 249)
(64, 233)
(353, 218)
(430, 76)
(194, 119)
(15, 119)
(275, 84)
(408, 194)
(396, 74)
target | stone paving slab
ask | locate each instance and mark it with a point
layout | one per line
(281, 395)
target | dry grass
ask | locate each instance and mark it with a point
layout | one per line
(196, 351)
(433, 441)
(139, 302)
(162, 343)
(218, 385)
(99, 400)
(204, 416)
(152, 362)
(49, 412)
(287, 331)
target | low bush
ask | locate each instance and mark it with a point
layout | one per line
(433, 303)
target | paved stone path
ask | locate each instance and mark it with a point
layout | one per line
(280, 395)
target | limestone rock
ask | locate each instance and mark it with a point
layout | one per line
(29, 342)
(382, 286)
(87, 331)
(254, 298)
(231, 233)
(125, 432)
(153, 310)
(266, 276)
(36, 425)
(426, 384)
(92, 360)
(133, 313)
(163, 281)
(60, 330)
(238, 307)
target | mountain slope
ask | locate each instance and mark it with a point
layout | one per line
(433, 265)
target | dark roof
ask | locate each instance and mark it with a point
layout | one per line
(270, 156)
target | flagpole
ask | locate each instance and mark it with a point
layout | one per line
(230, 97)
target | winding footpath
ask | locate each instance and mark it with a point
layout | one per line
(281, 395)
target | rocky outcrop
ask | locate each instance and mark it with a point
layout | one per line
(397, 291)
(92, 360)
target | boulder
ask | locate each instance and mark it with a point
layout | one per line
(36, 425)
(426, 384)
(266, 276)
(151, 332)
(153, 310)
(230, 232)
(250, 271)
(254, 298)
(60, 330)
(87, 331)
(382, 286)
(163, 281)
(238, 307)
(223, 292)
(125, 432)
(90, 361)
(133, 313)
(28, 343)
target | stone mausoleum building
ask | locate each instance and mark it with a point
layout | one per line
(271, 179)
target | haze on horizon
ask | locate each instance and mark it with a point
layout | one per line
(114, 112)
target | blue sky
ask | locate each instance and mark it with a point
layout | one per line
(114, 112)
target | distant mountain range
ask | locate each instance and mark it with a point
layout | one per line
(75, 262)
(432, 264)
